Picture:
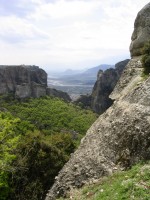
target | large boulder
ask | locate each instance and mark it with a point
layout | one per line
(141, 33)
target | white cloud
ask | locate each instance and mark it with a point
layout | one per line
(63, 9)
(16, 30)
(73, 33)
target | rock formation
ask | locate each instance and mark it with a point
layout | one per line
(104, 85)
(119, 138)
(23, 81)
(99, 100)
(141, 33)
(26, 81)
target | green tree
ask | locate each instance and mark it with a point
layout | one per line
(9, 138)
(146, 58)
(39, 160)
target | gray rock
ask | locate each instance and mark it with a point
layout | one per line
(141, 33)
(104, 85)
(99, 100)
(23, 81)
(119, 138)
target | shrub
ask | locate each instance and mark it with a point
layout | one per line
(146, 58)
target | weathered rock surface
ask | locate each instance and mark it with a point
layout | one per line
(141, 33)
(119, 138)
(27, 81)
(99, 100)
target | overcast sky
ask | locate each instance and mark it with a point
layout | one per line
(61, 34)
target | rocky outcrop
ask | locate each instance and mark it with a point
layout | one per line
(104, 85)
(141, 33)
(99, 100)
(119, 138)
(23, 81)
(26, 81)
(58, 93)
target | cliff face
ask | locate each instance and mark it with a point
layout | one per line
(23, 81)
(27, 81)
(119, 138)
(99, 100)
(104, 85)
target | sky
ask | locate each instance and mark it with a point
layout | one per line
(62, 34)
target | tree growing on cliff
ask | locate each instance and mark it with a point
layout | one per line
(146, 58)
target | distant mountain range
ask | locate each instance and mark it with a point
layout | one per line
(88, 77)
(76, 81)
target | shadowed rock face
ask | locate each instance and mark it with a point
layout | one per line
(58, 93)
(99, 100)
(141, 33)
(104, 85)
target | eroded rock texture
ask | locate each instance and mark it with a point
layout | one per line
(119, 138)
(141, 33)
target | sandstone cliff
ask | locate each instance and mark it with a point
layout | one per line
(119, 138)
(26, 81)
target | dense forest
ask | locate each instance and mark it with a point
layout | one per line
(37, 137)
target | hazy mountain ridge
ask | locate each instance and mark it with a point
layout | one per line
(77, 83)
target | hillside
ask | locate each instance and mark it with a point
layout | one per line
(37, 137)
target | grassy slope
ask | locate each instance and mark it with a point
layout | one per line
(127, 185)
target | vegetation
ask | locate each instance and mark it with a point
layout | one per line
(131, 184)
(37, 137)
(146, 58)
